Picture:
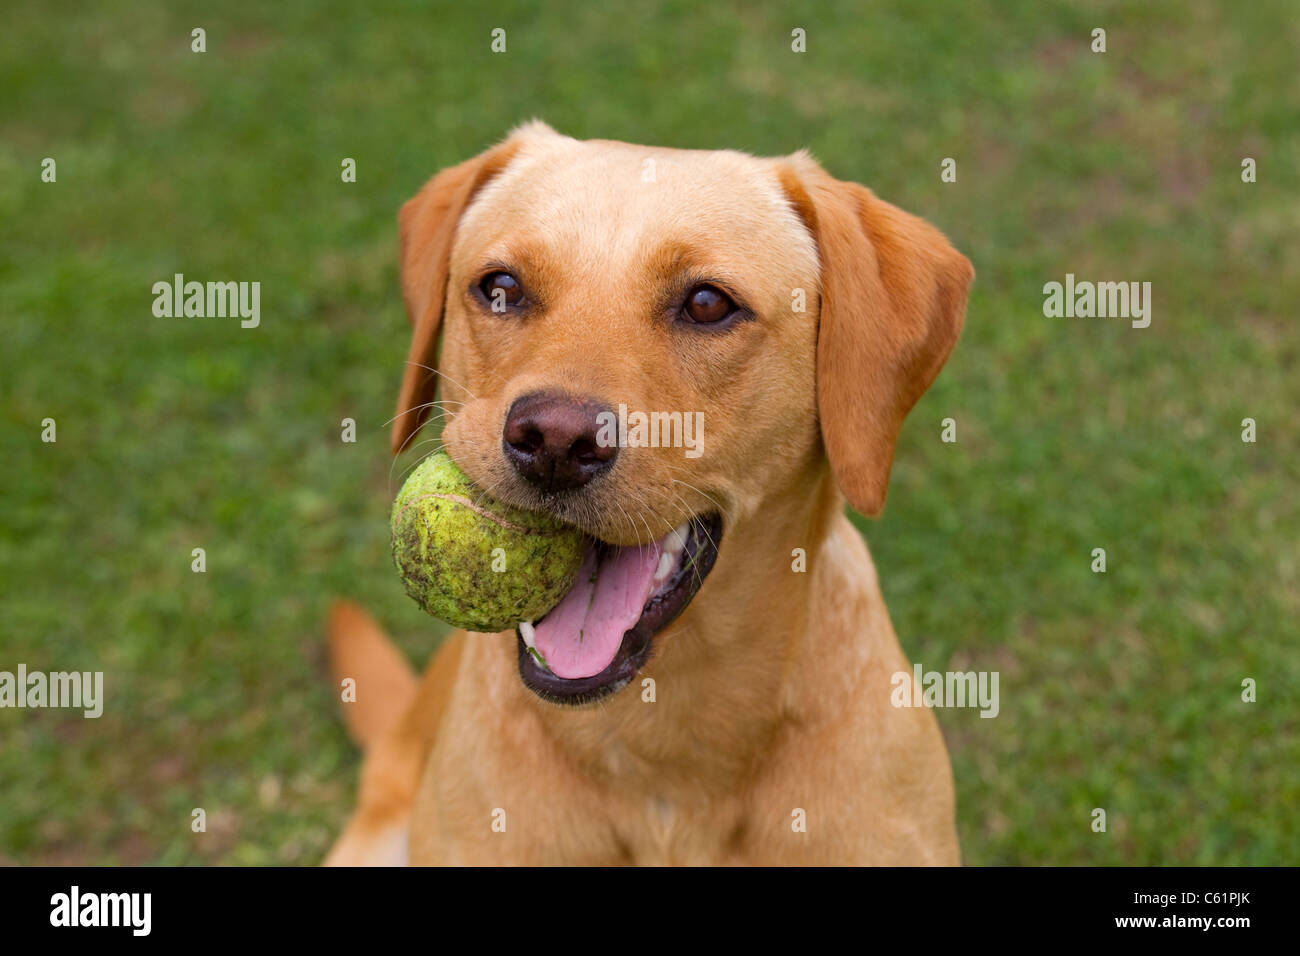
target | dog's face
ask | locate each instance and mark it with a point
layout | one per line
(645, 342)
(672, 295)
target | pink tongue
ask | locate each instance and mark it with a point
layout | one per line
(581, 635)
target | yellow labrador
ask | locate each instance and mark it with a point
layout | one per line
(717, 689)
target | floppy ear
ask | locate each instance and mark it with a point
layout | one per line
(893, 297)
(427, 224)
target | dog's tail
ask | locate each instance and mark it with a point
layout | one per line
(384, 684)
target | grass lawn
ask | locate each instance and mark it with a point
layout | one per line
(1119, 690)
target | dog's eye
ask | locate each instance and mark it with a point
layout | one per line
(501, 290)
(706, 304)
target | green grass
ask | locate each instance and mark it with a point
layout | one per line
(1119, 690)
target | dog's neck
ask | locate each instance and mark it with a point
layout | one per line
(741, 661)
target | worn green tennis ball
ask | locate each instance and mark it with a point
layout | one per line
(472, 561)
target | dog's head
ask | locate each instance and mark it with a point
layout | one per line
(647, 342)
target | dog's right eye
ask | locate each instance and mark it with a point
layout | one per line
(706, 305)
(502, 291)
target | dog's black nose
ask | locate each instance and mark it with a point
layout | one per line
(557, 442)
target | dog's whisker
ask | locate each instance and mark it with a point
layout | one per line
(488, 491)
(432, 419)
(686, 510)
(416, 408)
(704, 493)
(421, 459)
(626, 517)
(468, 391)
(669, 525)
(407, 469)
(642, 507)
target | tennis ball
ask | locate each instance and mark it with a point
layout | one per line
(474, 562)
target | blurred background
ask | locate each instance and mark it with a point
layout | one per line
(1119, 690)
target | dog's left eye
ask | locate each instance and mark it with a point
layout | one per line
(706, 304)
(502, 291)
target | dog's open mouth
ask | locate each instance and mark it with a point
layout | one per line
(600, 634)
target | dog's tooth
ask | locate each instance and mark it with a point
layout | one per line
(527, 633)
(667, 561)
(677, 539)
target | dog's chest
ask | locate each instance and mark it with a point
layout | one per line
(665, 832)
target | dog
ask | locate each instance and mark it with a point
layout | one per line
(741, 714)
